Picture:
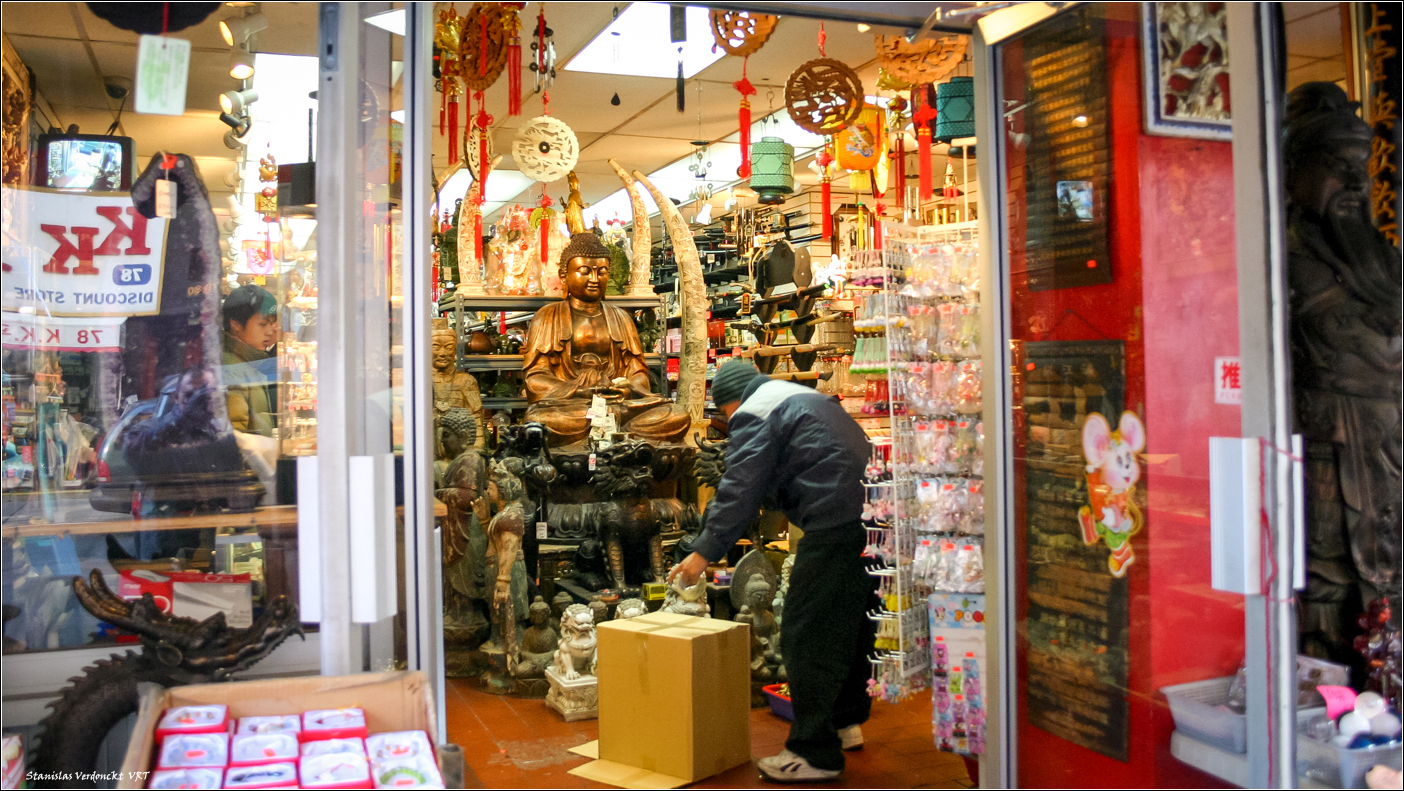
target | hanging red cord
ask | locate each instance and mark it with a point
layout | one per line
(744, 118)
(823, 39)
(165, 18)
(923, 119)
(546, 218)
(514, 67)
(825, 189)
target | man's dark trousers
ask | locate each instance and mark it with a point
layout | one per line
(825, 638)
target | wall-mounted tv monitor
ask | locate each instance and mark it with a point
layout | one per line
(95, 163)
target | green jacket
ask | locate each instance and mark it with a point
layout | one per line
(248, 377)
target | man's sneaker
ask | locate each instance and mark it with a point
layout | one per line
(790, 768)
(852, 737)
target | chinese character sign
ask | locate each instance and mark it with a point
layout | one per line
(89, 254)
(1228, 387)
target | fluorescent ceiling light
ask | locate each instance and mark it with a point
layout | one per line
(637, 44)
(393, 21)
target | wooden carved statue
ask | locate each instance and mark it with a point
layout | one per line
(453, 388)
(582, 347)
(1345, 334)
(462, 488)
(507, 493)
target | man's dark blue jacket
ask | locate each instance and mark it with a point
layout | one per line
(800, 447)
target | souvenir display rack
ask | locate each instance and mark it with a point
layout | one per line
(925, 515)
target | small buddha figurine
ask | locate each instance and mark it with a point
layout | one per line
(453, 389)
(539, 642)
(583, 347)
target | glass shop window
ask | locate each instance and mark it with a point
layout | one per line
(160, 316)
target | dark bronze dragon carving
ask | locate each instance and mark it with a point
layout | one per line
(175, 651)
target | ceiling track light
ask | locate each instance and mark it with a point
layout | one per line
(238, 29)
(241, 64)
(238, 125)
(236, 102)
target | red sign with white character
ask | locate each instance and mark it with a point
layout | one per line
(81, 254)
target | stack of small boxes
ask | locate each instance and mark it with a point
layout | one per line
(200, 747)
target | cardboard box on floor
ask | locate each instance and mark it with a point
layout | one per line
(675, 700)
(397, 701)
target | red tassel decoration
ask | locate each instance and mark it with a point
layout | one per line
(547, 216)
(443, 103)
(453, 126)
(923, 118)
(744, 117)
(502, 323)
(826, 192)
(514, 76)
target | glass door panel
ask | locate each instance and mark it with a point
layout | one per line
(1122, 306)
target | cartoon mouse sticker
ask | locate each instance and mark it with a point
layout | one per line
(1112, 472)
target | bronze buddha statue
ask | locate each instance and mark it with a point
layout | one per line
(581, 347)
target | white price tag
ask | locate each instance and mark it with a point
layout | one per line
(163, 68)
(540, 530)
(165, 198)
(592, 462)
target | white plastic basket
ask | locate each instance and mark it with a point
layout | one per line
(1338, 766)
(1198, 709)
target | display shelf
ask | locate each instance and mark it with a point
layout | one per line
(504, 403)
(498, 303)
(514, 362)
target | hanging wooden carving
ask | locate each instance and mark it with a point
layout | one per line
(545, 149)
(741, 33)
(920, 62)
(482, 50)
(472, 152)
(824, 96)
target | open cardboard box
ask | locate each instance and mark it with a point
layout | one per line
(397, 701)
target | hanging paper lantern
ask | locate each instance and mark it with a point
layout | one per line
(772, 170)
(955, 109)
(861, 145)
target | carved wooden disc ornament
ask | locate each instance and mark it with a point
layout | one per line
(741, 33)
(471, 134)
(920, 62)
(545, 149)
(824, 96)
(473, 42)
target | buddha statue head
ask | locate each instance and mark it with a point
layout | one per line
(458, 429)
(584, 267)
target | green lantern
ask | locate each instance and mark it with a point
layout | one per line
(772, 170)
(955, 109)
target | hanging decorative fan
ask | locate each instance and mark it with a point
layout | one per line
(824, 96)
(483, 45)
(472, 151)
(545, 149)
(920, 62)
(741, 33)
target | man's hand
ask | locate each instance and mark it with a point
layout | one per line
(687, 572)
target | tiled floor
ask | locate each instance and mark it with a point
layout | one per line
(514, 743)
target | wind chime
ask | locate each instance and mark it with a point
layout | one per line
(824, 96)
(743, 33)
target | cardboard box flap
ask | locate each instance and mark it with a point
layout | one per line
(624, 776)
(671, 625)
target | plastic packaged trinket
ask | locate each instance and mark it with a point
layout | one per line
(416, 772)
(193, 719)
(282, 723)
(353, 746)
(186, 778)
(279, 775)
(333, 724)
(398, 745)
(338, 770)
(251, 749)
(187, 750)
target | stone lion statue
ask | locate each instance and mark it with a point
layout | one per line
(575, 655)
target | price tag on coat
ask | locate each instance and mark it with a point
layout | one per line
(163, 69)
